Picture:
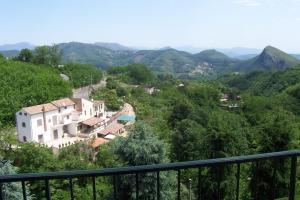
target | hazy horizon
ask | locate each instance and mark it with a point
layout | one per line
(198, 24)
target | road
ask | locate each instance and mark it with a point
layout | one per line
(84, 92)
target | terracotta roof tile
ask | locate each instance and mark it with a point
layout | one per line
(98, 141)
(92, 121)
(63, 102)
(39, 108)
(113, 129)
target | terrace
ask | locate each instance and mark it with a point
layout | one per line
(178, 167)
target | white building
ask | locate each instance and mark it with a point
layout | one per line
(61, 122)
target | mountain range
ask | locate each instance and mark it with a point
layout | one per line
(206, 64)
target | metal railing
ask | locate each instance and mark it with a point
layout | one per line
(157, 168)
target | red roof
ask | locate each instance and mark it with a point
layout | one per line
(112, 129)
(40, 108)
(63, 102)
(98, 141)
(92, 121)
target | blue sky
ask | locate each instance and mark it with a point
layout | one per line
(154, 23)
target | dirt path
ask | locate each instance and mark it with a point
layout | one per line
(84, 92)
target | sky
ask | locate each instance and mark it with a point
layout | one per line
(154, 23)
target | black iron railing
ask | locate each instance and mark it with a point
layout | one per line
(136, 170)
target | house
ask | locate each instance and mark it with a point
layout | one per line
(62, 122)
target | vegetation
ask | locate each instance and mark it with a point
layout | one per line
(81, 74)
(180, 121)
(25, 84)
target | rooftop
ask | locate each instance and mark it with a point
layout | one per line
(40, 108)
(63, 102)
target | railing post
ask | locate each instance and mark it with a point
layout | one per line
(94, 188)
(293, 178)
(237, 195)
(178, 185)
(199, 183)
(115, 187)
(47, 190)
(158, 185)
(137, 186)
(24, 190)
(71, 189)
(1, 191)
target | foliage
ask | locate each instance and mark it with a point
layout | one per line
(112, 102)
(133, 73)
(47, 55)
(81, 74)
(25, 84)
(25, 55)
(11, 191)
(140, 148)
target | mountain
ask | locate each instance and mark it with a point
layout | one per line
(114, 46)
(93, 54)
(270, 59)
(296, 56)
(246, 57)
(10, 53)
(239, 51)
(16, 46)
(214, 57)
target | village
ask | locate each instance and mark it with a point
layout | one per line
(67, 121)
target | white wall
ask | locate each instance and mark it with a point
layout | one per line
(23, 131)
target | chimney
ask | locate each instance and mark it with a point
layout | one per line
(44, 118)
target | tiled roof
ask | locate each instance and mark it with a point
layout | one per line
(98, 141)
(63, 102)
(112, 129)
(39, 108)
(92, 121)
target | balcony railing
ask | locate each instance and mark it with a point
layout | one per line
(136, 170)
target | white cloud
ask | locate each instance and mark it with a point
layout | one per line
(251, 3)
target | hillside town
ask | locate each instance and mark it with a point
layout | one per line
(66, 121)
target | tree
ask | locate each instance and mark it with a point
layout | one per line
(186, 140)
(11, 191)
(276, 133)
(48, 55)
(180, 111)
(226, 136)
(140, 148)
(25, 55)
(1, 56)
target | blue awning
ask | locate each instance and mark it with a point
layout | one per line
(126, 118)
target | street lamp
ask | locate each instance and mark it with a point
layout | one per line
(190, 189)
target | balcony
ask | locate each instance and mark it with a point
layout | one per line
(178, 167)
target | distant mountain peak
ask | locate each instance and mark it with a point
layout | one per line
(271, 58)
(17, 46)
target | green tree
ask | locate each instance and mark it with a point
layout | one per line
(276, 133)
(186, 140)
(180, 111)
(48, 55)
(25, 55)
(140, 148)
(226, 136)
(10, 191)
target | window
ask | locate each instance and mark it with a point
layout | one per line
(39, 122)
(68, 116)
(25, 114)
(41, 138)
(85, 112)
(54, 119)
(23, 124)
(90, 112)
(74, 106)
(55, 134)
(66, 107)
(24, 139)
(20, 113)
(49, 120)
(59, 110)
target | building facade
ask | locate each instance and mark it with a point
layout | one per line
(62, 122)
